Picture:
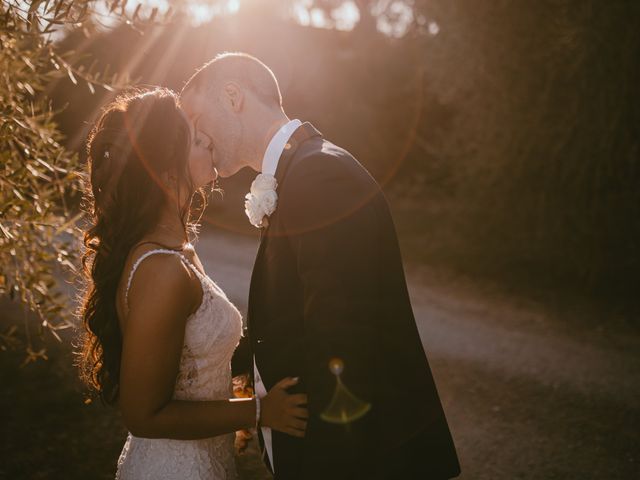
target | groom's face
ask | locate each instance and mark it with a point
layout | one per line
(211, 117)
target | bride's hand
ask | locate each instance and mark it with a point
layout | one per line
(285, 412)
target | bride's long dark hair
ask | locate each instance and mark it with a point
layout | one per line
(139, 136)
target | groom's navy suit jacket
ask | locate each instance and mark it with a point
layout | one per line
(328, 282)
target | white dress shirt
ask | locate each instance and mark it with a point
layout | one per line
(269, 165)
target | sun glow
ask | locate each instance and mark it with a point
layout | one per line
(345, 17)
(393, 18)
(203, 12)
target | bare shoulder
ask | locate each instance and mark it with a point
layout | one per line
(162, 282)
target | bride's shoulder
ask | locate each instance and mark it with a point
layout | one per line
(160, 277)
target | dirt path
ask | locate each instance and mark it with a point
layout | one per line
(528, 395)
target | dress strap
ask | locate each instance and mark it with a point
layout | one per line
(147, 254)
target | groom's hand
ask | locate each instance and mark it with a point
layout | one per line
(285, 412)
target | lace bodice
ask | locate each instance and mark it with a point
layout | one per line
(212, 333)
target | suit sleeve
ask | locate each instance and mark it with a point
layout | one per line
(328, 216)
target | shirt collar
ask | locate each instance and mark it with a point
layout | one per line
(276, 146)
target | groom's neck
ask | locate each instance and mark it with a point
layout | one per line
(267, 128)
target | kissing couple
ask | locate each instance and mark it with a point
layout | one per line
(329, 322)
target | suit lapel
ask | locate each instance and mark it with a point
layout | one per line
(303, 133)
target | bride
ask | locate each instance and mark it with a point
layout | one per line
(160, 333)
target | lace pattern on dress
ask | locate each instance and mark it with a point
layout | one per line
(212, 333)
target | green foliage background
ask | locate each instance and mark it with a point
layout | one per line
(37, 173)
(40, 178)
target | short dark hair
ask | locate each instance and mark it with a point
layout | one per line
(240, 67)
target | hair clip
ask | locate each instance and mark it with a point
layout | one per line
(106, 154)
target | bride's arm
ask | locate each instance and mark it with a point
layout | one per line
(162, 296)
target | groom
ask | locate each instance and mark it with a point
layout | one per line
(327, 284)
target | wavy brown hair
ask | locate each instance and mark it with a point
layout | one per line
(139, 136)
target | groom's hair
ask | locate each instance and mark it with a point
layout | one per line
(245, 69)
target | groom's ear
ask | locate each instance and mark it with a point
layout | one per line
(234, 95)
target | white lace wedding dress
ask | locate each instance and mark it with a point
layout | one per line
(211, 336)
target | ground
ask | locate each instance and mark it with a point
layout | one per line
(530, 392)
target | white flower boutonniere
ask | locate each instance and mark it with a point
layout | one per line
(262, 200)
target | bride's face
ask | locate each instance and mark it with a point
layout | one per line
(202, 162)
